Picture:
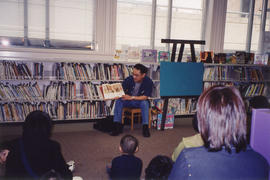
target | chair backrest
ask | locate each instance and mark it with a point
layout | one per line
(260, 132)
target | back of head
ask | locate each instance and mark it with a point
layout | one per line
(222, 118)
(141, 67)
(129, 144)
(259, 102)
(37, 125)
(159, 168)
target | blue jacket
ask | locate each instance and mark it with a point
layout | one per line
(199, 163)
(126, 167)
(145, 88)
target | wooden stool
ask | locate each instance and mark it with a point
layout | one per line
(131, 113)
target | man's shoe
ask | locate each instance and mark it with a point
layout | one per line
(146, 132)
(117, 129)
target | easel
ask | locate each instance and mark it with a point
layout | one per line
(180, 55)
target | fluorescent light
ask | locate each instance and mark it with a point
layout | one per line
(5, 42)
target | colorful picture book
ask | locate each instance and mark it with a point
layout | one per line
(169, 122)
(111, 91)
(149, 55)
(164, 56)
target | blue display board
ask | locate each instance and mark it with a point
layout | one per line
(181, 79)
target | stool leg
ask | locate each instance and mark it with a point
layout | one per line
(150, 119)
(132, 120)
(123, 116)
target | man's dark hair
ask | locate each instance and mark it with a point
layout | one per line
(141, 67)
(159, 168)
(129, 144)
(37, 125)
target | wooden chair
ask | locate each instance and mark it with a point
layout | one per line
(131, 113)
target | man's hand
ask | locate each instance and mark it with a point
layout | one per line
(3, 156)
(127, 97)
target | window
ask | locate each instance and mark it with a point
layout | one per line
(257, 24)
(133, 23)
(36, 19)
(236, 25)
(161, 23)
(72, 20)
(186, 19)
(11, 21)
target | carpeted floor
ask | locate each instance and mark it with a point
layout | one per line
(92, 150)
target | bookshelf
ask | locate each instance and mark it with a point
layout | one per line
(68, 91)
(251, 80)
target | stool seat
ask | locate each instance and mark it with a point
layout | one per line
(131, 113)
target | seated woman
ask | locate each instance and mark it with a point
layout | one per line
(34, 154)
(225, 155)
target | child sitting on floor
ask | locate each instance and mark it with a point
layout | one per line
(126, 166)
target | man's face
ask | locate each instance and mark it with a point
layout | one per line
(137, 75)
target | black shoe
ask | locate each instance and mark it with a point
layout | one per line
(146, 132)
(117, 129)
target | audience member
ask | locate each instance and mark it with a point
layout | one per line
(259, 102)
(159, 168)
(188, 142)
(34, 154)
(222, 123)
(256, 102)
(126, 166)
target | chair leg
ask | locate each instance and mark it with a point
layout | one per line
(123, 116)
(150, 119)
(139, 118)
(132, 120)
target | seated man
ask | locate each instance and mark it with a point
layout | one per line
(138, 88)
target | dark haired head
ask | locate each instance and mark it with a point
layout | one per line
(222, 118)
(129, 144)
(159, 168)
(37, 125)
(258, 102)
(141, 68)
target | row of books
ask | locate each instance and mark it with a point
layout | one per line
(82, 110)
(239, 57)
(234, 73)
(24, 91)
(255, 89)
(69, 71)
(16, 112)
(38, 91)
(81, 71)
(180, 106)
(14, 70)
(60, 91)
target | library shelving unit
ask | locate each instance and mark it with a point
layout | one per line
(68, 91)
(252, 80)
